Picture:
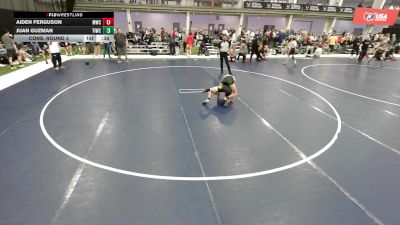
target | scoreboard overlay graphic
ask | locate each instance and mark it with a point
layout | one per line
(64, 27)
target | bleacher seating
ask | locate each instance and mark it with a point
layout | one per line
(211, 49)
(160, 47)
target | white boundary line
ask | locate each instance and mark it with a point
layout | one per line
(19, 75)
(314, 165)
(7, 80)
(196, 153)
(152, 176)
(358, 131)
(344, 91)
(190, 91)
(213, 56)
(78, 173)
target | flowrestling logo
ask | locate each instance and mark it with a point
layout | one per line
(373, 16)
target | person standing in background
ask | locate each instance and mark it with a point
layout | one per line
(255, 49)
(364, 49)
(223, 54)
(171, 44)
(162, 34)
(55, 55)
(332, 40)
(121, 43)
(318, 52)
(356, 47)
(378, 54)
(68, 48)
(232, 54)
(242, 51)
(393, 40)
(281, 36)
(11, 49)
(189, 44)
(106, 45)
(184, 40)
(292, 45)
(97, 48)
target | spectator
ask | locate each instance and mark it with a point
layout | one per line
(234, 38)
(162, 33)
(96, 49)
(184, 41)
(242, 51)
(340, 39)
(177, 43)
(23, 54)
(121, 43)
(332, 40)
(255, 50)
(309, 47)
(85, 48)
(393, 39)
(281, 36)
(11, 49)
(3, 56)
(45, 51)
(68, 48)
(202, 48)
(55, 55)
(206, 38)
(292, 45)
(106, 45)
(189, 44)
(232, 54)
(389, 55)
(171, 44)
(325, 48)
(35, 48)
(378, 54)
(356, 47)
(264, 51)
(364, 49)
(318, 52)
(199, 37)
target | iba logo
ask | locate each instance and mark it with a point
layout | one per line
(375, 16)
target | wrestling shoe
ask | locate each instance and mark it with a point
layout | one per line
(226, 103)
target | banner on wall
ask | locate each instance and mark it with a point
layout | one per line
(373, 16)
(303, 7)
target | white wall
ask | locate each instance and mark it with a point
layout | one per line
(166, 20)
(158, 20)
(201, 22)
(258, 22)
(317, 25)
(346, 25)
(120, 21)
(377, 29)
